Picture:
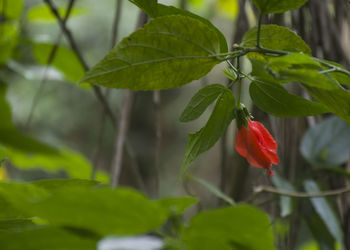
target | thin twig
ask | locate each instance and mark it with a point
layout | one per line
(122, 132)
(116, 22)
(158, 127)
(123, 125)
(268, 189)
(115, 32)
(75, 48)
(49, 62)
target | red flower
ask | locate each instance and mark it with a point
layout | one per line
(257, 145)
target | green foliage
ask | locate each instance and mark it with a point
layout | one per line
(42, 14)
(277, 38)
(148, 6)
(327, 144)
(8, 40)
(217, 192)
(274, 99)
(168, 52)
(206, 138)
(200, 102)
(286, 203)
(278, 6)
(65, 60)
(27, 153)
(11, 9)
(325, 211)
(230, 228)
(103, 211)
(45, 237)
(164, 10)
(177, 205)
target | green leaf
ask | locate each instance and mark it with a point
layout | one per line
(278, 6)
(65, 60)
(274, 99)
(15, 225)
(148, 6)
(286, 203)
(5, 110)
(217, 192)
(10, 137)
(75, 164)
(164, 10)
(8, 40)
(200, 102)
(318, 229)
(59, 185)
(206, 138)
(230, 74)
(177, 205)
(230, 228)
(42, 14)
(336, 100)
(325, 211)
(104, 211)
(11, 9)
(327, 144)
(45, 238)
(277, 38)
(168, 52)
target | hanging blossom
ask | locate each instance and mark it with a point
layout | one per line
(255, 143)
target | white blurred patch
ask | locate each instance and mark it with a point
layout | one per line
(35, 72)
(130, 243)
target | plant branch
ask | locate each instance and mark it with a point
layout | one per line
(116, 22)
(48, 63)
(122, 132)
(123, 125)
(268, 189)
(259, 31)
(72, 43)
(158, 127)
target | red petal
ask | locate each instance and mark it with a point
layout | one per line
(267, 139)
(241, 142)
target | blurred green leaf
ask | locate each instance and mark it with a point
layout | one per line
(168, 52)
(278, 6)
(325, 211)
(148, 6)
(8, 40)
(217, 192)
(15, 225)
(104, 211)
(45, 238)
(42, 14)
(228, 8)
(320, 233)
(60, 185)
(286, 203)
(75, 164)
(200, 102)
(11, 9)
(206, 138)
(336, 100)
(277, 38)
(230, 228)
(274, 99)
(327, 144)
(65, 60)
(177, 205)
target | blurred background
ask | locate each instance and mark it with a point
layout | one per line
(48, 104)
